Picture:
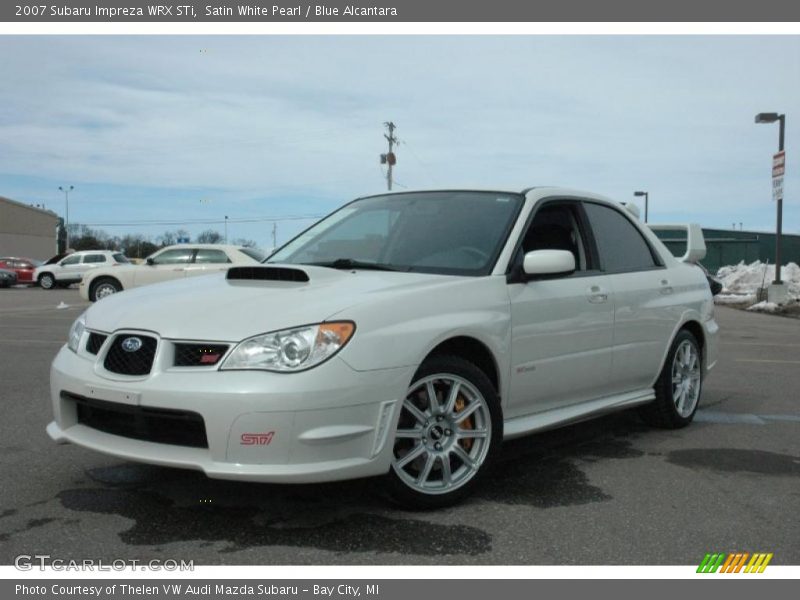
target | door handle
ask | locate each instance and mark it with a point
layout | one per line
(597, 295)
(666, 288)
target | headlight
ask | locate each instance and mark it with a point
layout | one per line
(76, 332)
(291, 350)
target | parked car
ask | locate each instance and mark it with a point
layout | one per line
(171, 262)
(23, 267)
(7, 278)
(72, 268)
(404, 336)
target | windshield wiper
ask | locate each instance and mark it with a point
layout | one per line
(350, 263)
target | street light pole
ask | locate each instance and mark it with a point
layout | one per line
(646, 202)
(66, 212)
(771, 118)
(226, 229)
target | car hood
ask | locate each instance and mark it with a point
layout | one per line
(214, 308)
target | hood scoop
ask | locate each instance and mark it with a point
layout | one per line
(267, 274)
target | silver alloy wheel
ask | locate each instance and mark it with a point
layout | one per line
(104, 289)
(443, 435)
(47, 281)
(686, 378)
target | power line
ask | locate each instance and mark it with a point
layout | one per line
(202, 221)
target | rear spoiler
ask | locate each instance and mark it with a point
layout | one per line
(695, 242)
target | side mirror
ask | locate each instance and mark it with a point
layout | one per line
(548, 262)
(150, 261)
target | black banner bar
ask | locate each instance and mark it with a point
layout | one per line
(733, 588)
(396, 11)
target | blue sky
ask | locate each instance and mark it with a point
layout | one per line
(187, 128)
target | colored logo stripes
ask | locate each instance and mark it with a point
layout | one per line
(734, 562)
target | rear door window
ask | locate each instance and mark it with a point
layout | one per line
(94, 258)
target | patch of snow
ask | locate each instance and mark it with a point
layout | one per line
(62, 306)
(764, 306)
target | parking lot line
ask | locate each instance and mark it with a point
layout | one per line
(760, 344)
(764, 360)
(19, 341)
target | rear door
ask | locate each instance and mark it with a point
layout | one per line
(562, 327)
(643, 313)
(92, 261)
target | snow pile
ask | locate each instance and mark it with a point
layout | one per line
(742, 281)
(764, 306)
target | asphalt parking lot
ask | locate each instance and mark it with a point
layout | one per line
(610, 491)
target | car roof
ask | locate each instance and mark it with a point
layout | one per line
(540, 191)
(204, 246)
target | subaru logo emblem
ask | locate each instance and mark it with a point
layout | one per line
(131, 344)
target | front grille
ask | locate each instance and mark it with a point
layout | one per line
(159, 425)
(198, 355)
(131, 362)
(94, 342)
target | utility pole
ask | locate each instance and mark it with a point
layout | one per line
(66, 191)
(226, 229)
(274, 234)
(389, 158)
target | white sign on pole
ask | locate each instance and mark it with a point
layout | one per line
(778, 170)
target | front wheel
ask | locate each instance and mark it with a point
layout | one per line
(449, 430)
(47, 281)
(679, 385)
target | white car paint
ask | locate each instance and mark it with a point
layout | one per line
(125, 277)
(563, 348)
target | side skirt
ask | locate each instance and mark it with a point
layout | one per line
(550, 419)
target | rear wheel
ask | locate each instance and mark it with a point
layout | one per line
(679, 386)
(105, 286)
(449, 430)
(47, 281)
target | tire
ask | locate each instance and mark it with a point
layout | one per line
(679, 386)
(47, 281)
(438, 455)
(102, 287)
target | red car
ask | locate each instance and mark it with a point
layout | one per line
(23, 267)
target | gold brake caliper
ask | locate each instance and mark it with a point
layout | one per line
(467, 423)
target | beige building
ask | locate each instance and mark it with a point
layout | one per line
(27, 231)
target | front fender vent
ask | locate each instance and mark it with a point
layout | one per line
(267, 274)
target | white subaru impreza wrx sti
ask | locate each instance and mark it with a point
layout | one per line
(404, 335)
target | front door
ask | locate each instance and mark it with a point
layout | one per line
(562, 327)
(166, 265)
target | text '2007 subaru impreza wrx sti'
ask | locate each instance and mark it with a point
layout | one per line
(404, 335)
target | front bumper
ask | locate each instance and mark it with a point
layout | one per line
(328, 423)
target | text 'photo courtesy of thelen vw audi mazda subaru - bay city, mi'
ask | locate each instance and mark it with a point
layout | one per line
(404, 336)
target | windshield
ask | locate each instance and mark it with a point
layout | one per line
(452, 233)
